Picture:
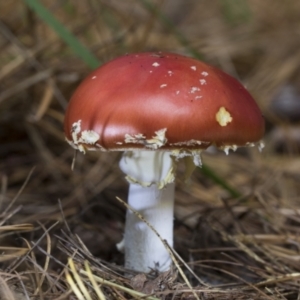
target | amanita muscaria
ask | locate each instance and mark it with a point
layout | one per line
(158, 108)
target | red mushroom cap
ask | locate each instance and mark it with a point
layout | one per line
(161, 100)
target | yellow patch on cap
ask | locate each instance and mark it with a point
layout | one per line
(223, 117)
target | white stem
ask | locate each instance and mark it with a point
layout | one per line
(143, 249)
(151, 193)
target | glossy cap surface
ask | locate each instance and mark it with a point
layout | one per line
(161, 100)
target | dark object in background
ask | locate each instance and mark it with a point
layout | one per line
(286, 106)
(286, 103)
(286, 139)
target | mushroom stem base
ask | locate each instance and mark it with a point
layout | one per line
(143, 249)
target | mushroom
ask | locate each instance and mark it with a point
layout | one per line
(158, 108)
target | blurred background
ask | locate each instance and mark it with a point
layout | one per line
(247, 201)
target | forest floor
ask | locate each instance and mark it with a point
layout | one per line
(237, 236)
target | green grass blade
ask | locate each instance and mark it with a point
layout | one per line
(208, 172)
(76, 46)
